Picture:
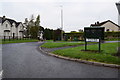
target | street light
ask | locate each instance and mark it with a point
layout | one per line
(118, 7)
(61, 22)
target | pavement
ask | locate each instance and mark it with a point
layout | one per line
(0, 61)
(25, 60)
(111, 41)
(0, 57)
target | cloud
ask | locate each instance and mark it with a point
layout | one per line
(77, 13)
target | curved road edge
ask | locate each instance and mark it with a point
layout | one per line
(81, 61)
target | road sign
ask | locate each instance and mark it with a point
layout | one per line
(92, 40)
(93, 34)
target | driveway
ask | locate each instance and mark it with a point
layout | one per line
(24, 60)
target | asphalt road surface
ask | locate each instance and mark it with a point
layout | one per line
(0, 57)
(24, 60)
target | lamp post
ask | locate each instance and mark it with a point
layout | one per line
(118, 7)
(61, 22)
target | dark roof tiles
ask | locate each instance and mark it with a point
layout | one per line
(10, 20)
(102, 23)
(17, 24)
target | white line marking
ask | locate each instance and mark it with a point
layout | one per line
(1, 72)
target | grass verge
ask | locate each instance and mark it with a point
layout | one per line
(18, 41)
(60, 44)
(106, 56)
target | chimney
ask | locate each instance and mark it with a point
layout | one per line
(97, 22)
(3, 17)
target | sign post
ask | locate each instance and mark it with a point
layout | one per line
(93, 34)
(85, 44)
(99, 44)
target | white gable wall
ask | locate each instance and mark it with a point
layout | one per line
(13, 29)
(6, 29)
(20, 27)
(110, 26)
(16, 31)
(6, 26)
(1, 31)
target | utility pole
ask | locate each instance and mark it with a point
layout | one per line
(61, 22)
(118, 7)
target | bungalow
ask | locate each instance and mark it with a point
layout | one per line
(109, 25)
(10, 28)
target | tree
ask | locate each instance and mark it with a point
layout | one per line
(32, 17)
(57, 34)
(80, 30)
(31, 22)
(48, 34)
(26, 27)
(34, 32)
(73, 32)
(37, 22)
(26, 21)
(33, 27)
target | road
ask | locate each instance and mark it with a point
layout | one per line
(0, 57)
(24, 60)
(0, 61)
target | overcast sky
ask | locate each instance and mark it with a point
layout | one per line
(77, 14)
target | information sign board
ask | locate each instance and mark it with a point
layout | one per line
(93, 34)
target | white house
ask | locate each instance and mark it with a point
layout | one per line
(10, 28)
(109, 25)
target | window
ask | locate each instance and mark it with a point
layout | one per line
(6, 25)
(107, 30)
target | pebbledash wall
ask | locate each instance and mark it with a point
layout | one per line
(10, 28)
(112, 27)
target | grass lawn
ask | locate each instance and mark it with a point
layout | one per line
(18, 41)
(60, 44)
(49, 40)
(106, 56)
(114, 39)
(0, 41)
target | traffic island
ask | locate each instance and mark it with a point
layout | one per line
(105, 58)
(82, 61)
(94, 51)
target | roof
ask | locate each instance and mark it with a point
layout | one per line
(0, 19)
(17, 24)
(102, 23)
(94, 27)
(10, 20)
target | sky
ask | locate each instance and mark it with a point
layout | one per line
(77, 14)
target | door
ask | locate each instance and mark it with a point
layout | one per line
(13, 35)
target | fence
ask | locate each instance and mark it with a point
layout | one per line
(9, 38)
